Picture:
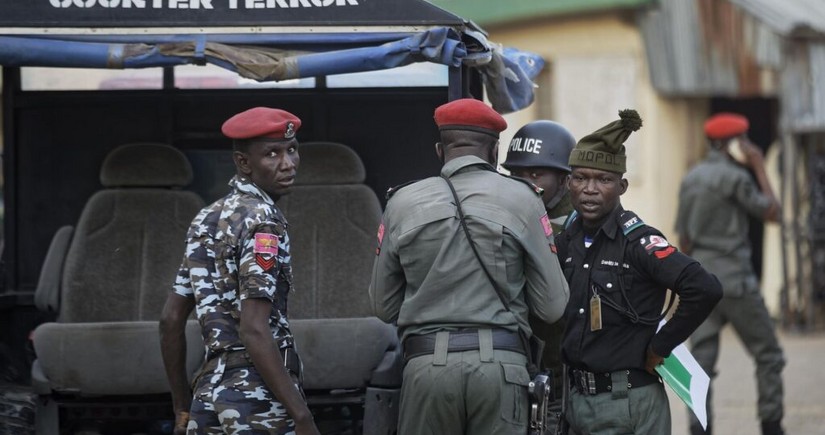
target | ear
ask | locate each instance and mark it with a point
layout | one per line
(242, 162)
(439, 151)
(623, 186)
(494, 154)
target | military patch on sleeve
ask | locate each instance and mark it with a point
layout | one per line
(266, 250)
(658, 246)
(380, 238)
(545, 223)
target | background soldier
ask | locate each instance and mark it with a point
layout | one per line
(716, 198)
(460, 319)
(539, 152)
(236, 272)
(619, 271)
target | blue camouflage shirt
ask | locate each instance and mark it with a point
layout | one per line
(237, 248)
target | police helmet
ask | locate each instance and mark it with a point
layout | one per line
(544, 144)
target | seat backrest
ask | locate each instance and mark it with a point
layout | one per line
(130, 238)
(333, 218)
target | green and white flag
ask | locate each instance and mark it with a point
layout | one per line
(685, 377)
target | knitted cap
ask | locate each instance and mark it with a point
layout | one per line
(604, 148)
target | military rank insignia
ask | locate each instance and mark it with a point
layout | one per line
(266, 250)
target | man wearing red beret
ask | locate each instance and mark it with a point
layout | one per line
(236, 273)
(461, 261)
(717, 197)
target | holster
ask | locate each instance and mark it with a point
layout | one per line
(535, 350)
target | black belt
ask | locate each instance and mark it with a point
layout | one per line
(461, 341)
(589, 383)
(240, 358)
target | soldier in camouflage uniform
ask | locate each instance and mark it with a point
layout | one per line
(236, 274)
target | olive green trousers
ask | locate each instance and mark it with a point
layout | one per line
(474, 392)
(641, 411)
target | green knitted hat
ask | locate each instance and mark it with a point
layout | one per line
(604, 148)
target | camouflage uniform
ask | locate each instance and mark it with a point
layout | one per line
(231, 255)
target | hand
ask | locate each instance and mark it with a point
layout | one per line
(181, 421)
(652, 361)
(753, 153)
(306, 428)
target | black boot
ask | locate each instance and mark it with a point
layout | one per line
(772, 428)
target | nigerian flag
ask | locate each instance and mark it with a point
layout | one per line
(685, 377)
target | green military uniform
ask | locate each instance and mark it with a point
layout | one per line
(715, 200)
(427, 280)
(551, 334)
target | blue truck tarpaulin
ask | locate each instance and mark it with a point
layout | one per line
(507, 74)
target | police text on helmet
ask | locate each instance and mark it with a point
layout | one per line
(526, 144)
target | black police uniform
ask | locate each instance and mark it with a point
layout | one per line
(629, 265)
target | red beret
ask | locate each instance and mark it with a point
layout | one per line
(469, 114)
(725, 125)
(262, 122)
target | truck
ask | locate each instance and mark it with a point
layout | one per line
(100, 96)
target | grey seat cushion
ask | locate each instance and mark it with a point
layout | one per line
(108, 358)
(344, 353)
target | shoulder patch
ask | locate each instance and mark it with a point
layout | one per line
(658, 246)
(380, 237)
(630, 222)
(538, 190)
(266, 250)
(392, 190)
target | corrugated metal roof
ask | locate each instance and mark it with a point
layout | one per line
(487, 12)
(707, 48)
(795, 18)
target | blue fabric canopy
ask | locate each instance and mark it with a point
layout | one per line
(268, 57)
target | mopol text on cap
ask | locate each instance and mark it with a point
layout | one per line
(469, 114)
(726, 125)
(262, 122)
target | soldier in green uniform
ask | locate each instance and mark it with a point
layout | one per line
(539, 152)
(462, 316)
(716, 198)
(237, 274)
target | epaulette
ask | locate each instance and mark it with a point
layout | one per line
(570, 219)
(630, 223)
(538, 190)
(392, 190)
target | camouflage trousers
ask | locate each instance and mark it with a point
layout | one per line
(236, 401)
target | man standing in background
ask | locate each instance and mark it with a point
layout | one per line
(716, 198)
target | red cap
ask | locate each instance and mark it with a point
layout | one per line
(262, 122)
(469, 114)
(725, 125)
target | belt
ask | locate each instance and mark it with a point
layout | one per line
(589, 383)
(461, 341)
(240, 358)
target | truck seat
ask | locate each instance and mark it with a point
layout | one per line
(333, 221)
(109, 278)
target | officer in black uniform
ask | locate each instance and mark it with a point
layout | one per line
(619, 270)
